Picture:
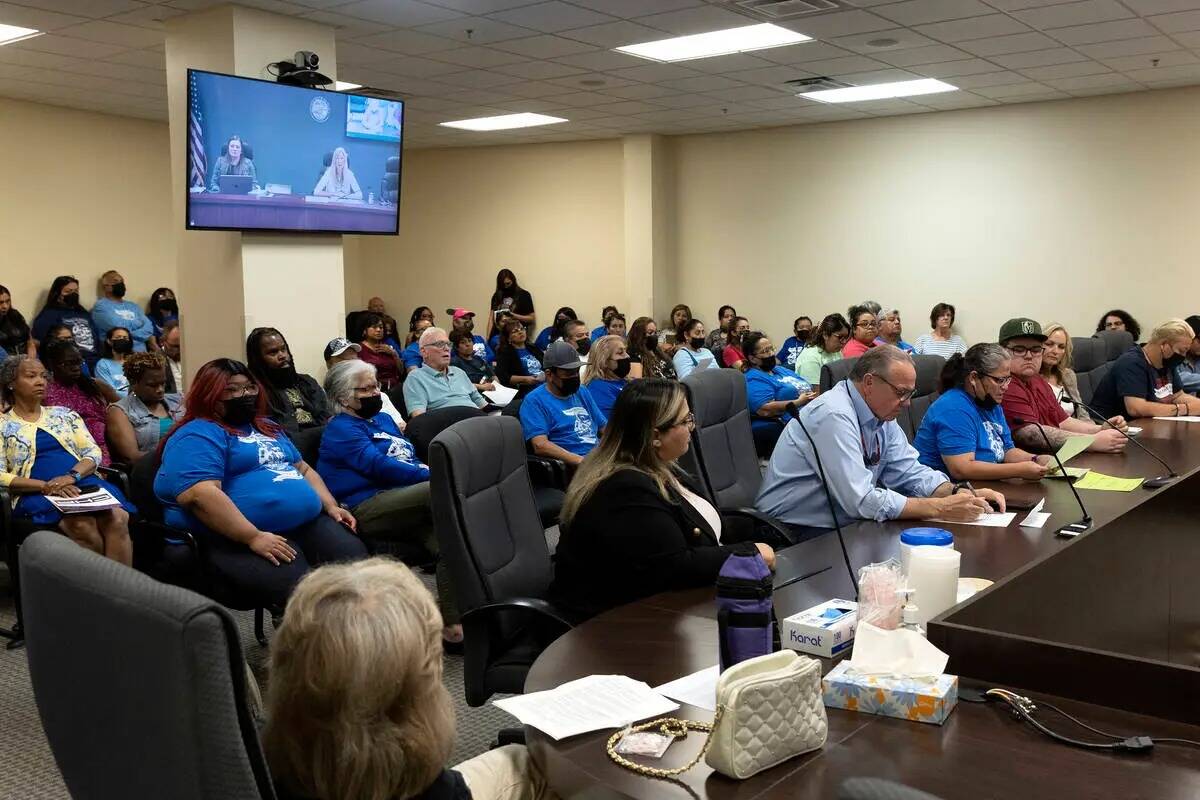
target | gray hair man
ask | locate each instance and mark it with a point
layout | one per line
(890, 330)
(872, 471)
(435, 384)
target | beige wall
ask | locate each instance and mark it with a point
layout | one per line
(1057, 211)
(86, 193)
(552, 213)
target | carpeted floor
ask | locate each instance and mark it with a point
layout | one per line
(27, 769)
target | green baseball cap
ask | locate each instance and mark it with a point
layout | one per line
(1021, 328)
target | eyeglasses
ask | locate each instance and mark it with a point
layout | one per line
(1020, 350)
(901, 394)
(245, 390)
(442, 345)
(689, 420)
(867, 325)
(1001, 382)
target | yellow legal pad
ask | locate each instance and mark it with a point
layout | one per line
(1107, 483)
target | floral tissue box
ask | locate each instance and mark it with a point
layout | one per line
(915, 699)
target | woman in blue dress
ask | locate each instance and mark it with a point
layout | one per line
(48, 452)
(770, 388)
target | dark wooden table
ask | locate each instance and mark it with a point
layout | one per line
(981, 751)
(286, 212)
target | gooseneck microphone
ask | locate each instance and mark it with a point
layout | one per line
(837, 526)
(1073, 528)
(1152, 483)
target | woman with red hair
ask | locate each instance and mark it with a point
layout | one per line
(230, 475)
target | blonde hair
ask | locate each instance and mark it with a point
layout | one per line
(1065, 362)
(1171, 329)
(598, 357)
(356, 707)
(645, 409)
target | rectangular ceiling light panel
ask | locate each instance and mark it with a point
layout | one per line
(716, 43)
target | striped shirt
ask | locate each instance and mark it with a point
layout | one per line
(929, 346)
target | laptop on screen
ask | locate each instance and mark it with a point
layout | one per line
(236, 184)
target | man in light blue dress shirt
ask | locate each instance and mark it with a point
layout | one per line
(871, 469)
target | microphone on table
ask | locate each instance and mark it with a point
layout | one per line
(1073, 528)
(837, 526)
(1152, 483)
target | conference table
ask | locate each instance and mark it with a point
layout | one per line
(1105, 626)
(287, 212)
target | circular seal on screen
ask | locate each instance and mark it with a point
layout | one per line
(319, 109)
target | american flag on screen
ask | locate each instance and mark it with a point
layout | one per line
(196, 139)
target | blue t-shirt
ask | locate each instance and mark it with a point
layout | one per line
(903, 345)
(765, 387)
(529, 361)
(113, 374)
(494, 342)
(256, 471)
(77, 319)
(483, 350)
(955, 424)
(598, 332)
(605, 392)
(543, 339)
(362, 457)
(411, 356)
(790, 352)
(573, 423)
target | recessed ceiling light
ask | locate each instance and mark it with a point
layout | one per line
(503, 122)
(342, 86)
(879, 91)
(716, 43)
(13, 33)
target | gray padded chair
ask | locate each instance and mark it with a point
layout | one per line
(1088, 382)
(492, 538)
(140, 686)
(929, 369)
(1115, 343)
(835, 372)
(722, 454)
(1087, 353)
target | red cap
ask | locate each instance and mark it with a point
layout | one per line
(459, 313)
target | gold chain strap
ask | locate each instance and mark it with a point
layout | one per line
(667, 726)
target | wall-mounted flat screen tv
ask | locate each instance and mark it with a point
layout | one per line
(265, 156)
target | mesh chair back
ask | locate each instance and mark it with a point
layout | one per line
(160, 709)
(722, 443)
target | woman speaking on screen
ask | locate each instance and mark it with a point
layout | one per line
(338, 180)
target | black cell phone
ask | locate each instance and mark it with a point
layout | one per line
(88, 489)
(1014, 504)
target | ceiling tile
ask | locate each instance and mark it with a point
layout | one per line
(126, 72)
(600, 60)
(973, 28)
(151, 59)
(616, 34)
(950, 69)
(743, 93)
(652, 73)
(112, 33)
(921, 55)
(1161, 74)
(536, 89)
(780, 102)
(805, 51)
(1070, 14)
(917, 12)
(609, 80)
(841, 23)
(876, 76)
(545, 46)
(1038, 58)
(37, 18)
(627, 107)
(702, 83)
(343, 27)
(633, 8)
(478, 79)
(539, 70)
(949, 101)
(841, 66)
(477, 57)
(1085, 85)
(1013, 90)
(1060, 71)
(356, 54)
(1189, 39)
(408, 42)
(1018, 43)
(689, 100)
(68, 46)
(147, 16)
(478, 96)
(640, 91)
(92, 8)
(723, 65)
(973, 82)
(1128, 47)
(1171, 59)
(1104, 32)
(552, 17)
(480, 6)
(417, 67)
(904, 39)
(1177, 23)
(1149, 7)
(406, 14)
(700, 19)
(583, 99)
(475, 30)
(773, 76)
(1018, 5)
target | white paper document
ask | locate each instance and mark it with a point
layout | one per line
(588, 704)
(698, 689)
(1036, 517)
(993, 520)
(501, 395)
(84, 503)
(1181, 419)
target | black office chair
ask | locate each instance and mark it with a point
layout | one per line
(140, 687)
(308, 442)
(495, 546)
(1089, 381)
(1087, 353)
(549, 476)
(1115, 343)
(929, 370)
(723, 456)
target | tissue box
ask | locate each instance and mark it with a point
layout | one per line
(823, 630)
(916, 699)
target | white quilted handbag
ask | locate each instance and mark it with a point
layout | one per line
(770, 710)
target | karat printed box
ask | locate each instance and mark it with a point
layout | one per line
(915, 699)
(825, 630)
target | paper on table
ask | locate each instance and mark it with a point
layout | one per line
(1072, 472)
(84, 503)
(896, 652)
(1182, 419)
(1073, 446)
(993, 520)
(698, 689)
(588, 704)
(1036, 517)
(501, 395)
(1107, 483)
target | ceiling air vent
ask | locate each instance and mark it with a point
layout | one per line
(776, 10)
(813, 85)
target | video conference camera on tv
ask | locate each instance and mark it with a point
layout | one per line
(301, 70)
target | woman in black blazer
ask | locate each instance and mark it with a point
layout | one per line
(632, 523)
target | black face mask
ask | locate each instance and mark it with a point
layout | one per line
(622, 367)
(570, 385)
(240, 410)
(71, 300)
(767, 363)
(169, 306)
(697, 342)
(370, 406)
(1173, 361)
(122, 346)
(281, 376)
(802, 336)
(583, 346)
(118, 289)
(987, 403)
(652, 341)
